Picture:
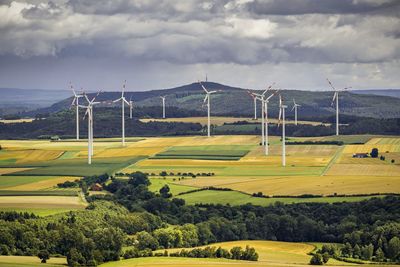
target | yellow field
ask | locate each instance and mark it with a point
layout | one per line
(384, 140)
(16, 121)
(11, 170)
(45, 202)
(271, 254)
(298, 185)
(30, 261)
(41, 185)
(221, 120)
(271, 251)
(310, 169)
(364, 169)
(366, 148)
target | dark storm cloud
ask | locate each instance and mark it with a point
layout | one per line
(247, 33)
(297, 7)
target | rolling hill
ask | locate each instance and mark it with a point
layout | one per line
(14, 100)
(236, 101)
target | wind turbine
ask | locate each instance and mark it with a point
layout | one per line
(336, 96)
(75, 102)
(123, 101)
(130, 107)
(89, 113)
(255, 104)
(163, 106)
(282, 108)
(207, 98)
(264, 116)
(295, 111)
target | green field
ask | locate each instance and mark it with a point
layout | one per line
(238, 198)
(78, 167)
(175, 189)
(204, 152)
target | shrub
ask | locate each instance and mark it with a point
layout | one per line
(316, 259)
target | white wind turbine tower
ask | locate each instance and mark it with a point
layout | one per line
(336, 96)
(163, 106)
(264, 116)
(75, 102)
(295, 105)
(89, 113)
(123, 101)
(207, 98)
(255, 104)
(282, 115)
(130, 107)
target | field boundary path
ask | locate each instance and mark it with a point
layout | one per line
(333, 160)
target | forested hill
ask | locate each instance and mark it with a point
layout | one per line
(236, 101)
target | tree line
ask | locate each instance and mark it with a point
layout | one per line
(147, 221)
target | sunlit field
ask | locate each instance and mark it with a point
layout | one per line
(237, 162)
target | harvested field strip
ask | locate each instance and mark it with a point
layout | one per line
(40, 202)
(38, 193)
(12, 170)
(41, 185)
(29, 261)
(384, 140)
(11, 181)
(316, 185)
(40, 155)
(368, 147)
(365, 170)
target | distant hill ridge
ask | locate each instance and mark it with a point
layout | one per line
(236, 101)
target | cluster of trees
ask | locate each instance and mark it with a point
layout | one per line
(150, 221)
(86, 238)
(235, 253)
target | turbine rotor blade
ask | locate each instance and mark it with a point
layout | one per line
(203, 87)
(334, 89)
(334, 97)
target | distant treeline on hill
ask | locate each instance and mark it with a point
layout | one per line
(107, 123)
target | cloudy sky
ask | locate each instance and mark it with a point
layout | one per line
(165, 43)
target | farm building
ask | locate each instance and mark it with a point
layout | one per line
(96, 187)
(360, 155)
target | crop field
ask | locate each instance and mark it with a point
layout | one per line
(271, 253)
(44, 202)
(238, 198)
(298, 185)
(384, 141)
(236, 161)
(17, 120)
(175, 189)
(12, 170)
(28, 261)
(204, 152)
(15, 181)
